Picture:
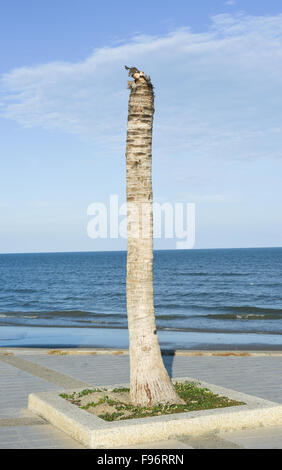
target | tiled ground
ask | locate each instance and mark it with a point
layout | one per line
(260, 376)
(35, 437)
(15, 385)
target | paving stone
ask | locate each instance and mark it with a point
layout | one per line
(26, 437)
(259, 438)
(211, 441)
(50, 375)
(15, 386)
(95, 370)
(166, 444)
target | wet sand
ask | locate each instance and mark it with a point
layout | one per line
(50, 337)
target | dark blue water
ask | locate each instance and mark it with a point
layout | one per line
(224, 297)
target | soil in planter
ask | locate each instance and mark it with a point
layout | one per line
(114, 405)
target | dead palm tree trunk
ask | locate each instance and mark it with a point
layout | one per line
(149, 380)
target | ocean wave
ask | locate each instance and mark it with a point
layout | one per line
(251, 309)
(247, 316)
(24, 291)
(172, 316)
(187, 312)
(61, 313)
(220, 330)
(228, 313)
(206, 273)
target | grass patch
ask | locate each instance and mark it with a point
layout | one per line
(114, 405)
(120, 390)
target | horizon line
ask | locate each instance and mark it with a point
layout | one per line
(125, 251)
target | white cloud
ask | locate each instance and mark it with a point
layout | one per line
(218, 93)
(230, 2)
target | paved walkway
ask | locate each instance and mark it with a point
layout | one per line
(23, 371)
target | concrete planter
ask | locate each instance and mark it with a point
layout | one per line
(94, 432)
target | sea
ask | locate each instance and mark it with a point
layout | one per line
(214, 299)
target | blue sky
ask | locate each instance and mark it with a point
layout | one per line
(217, 70)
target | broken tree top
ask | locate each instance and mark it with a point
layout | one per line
(138, 75)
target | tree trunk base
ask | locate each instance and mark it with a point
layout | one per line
(149, 391)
